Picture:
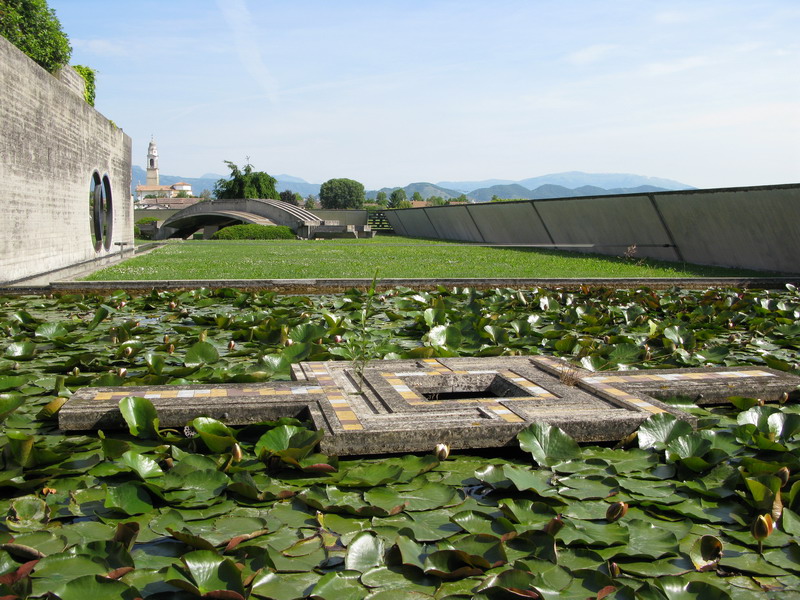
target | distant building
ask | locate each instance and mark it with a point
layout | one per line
(154, 194)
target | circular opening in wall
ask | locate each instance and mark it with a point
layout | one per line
(96, 210)
(108, 213)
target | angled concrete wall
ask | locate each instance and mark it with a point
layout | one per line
(513, 223)
(752, 227)
(454, 224)
(51, 144)
(414, 221)
(756, 228)
(611, 224)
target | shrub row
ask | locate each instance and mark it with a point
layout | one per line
(254, 232)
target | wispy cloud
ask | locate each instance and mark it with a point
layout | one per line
(673, 17)
(100, 46)
(676, 66)
(590, 54)
(241, 22)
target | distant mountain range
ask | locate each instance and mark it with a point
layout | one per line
(207, 181)
(572, 180)
(555, 185)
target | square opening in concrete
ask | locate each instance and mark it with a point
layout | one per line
(437, 388)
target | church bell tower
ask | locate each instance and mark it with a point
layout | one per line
(152, 163)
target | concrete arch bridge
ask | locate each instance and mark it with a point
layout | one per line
(216, 214)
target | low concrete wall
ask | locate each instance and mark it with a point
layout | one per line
(345, 217)
(750, 227)
(51, 145)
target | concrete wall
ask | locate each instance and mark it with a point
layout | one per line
(610, 223)
(757, 228)
(753, 227)
(345, 217)
(51, 144)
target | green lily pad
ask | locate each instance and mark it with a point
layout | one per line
(547, 444)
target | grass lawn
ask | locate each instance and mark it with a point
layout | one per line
(392, 256)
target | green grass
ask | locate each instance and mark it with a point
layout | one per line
(394, 256)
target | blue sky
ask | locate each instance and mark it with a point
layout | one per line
(394, 92)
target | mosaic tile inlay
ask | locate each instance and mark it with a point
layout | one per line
(411, 405)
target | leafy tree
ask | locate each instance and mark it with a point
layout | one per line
(246, 183)
(404, 204)
(416, 197)
(33, 27)
(396, 197)
(182, 194)
(205, 196)
(289, 197)
(381, 198)
(436, 201)
(310, 203)
(462, 198)
(341, 193)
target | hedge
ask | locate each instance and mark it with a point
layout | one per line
(254, 232)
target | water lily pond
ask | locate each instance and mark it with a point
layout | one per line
(256, 512)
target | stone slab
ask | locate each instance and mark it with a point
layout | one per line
(411, 405)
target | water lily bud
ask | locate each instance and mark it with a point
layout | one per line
(236, 452)
(337, 339)
(554, 525)
(762, 527)
(760, 401)
(115, 340)
(606, 339)
(166, 338)
(442, 451)
(76, 371)
(784, 398)
(382, 298)
(172, 305)
(304, 315)
(48, 490)
(121, 304)
(613, 569)
(202, 335)
(783, 474)
(288, 342)
(616, 511)
(128, 351)
(731, 325)
(122, 372)
(170, 348)
(319, 341)
(231, 345)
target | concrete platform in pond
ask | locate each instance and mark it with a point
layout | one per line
(411, 405)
